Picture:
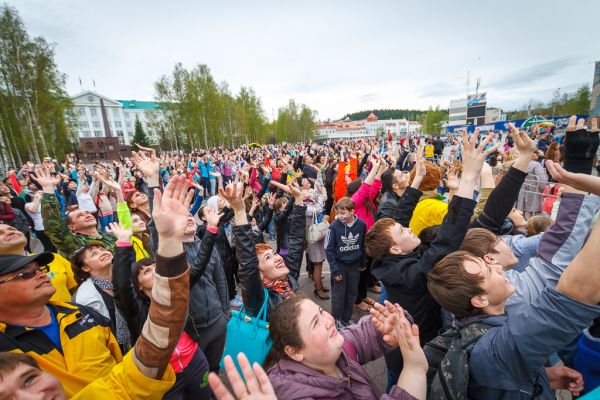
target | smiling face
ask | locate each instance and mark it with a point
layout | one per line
(79, 219)
(35, 291)
(405, 241)
(137, 224)
(11, 240)
(26, 382)
(271, 265)
(495, 285)
(96, 260)
(322, 341)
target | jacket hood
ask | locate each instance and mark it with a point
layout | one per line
(292, 380)
(491, 320)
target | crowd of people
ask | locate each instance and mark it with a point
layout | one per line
(469, 264)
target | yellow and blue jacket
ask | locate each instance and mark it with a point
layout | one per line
(89, 349)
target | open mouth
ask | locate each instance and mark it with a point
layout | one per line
(105, 257)
(44, 283)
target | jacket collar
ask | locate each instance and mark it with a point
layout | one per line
(60, 310)
(491, 320)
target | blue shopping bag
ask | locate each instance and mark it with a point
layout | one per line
(249, 335)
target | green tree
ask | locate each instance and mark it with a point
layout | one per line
(139, 136)
(36, 114)
(295, 123)
(432, 120)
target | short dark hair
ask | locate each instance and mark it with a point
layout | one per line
(479, 242)
(78, 262)
(379, 240)
(10, 361)
(345, 203)
(453, 287)
(388, 179)
(135, 272)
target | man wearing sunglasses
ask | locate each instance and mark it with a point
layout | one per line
(13, 242)
(72, 342)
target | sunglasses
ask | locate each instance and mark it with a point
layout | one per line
(28, 273)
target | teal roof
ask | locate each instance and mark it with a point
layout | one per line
(139, 105)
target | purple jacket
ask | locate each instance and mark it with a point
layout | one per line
(294, 381)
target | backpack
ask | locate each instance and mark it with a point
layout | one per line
(448, 358)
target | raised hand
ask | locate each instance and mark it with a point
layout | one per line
(150, 166)
(271, 199)
(255, 387)
(584, 182)
(385, 319)
(420, 169)
(581, 145)
(233, 193)
(452, 179)
(212, 216)
(45, 179)
(473, 155)
(171, 210)
(523, 142)
(119, 231)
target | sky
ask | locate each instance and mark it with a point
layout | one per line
(336, 57)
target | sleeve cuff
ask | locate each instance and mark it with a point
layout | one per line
(169, 267)
(121, 243)
(213, 230)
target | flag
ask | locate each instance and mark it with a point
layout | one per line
(94, 83)
(80, 83)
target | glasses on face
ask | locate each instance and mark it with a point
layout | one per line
(28, 273)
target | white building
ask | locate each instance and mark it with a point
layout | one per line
(368, 127)
(457, 112)
(121, 116)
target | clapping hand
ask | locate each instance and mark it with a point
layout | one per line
(255, 387)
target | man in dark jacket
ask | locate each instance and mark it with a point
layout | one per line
(403, 270)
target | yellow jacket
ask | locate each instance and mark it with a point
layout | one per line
(126, 381)
(89, 348)
(62, 278)
(428, 212)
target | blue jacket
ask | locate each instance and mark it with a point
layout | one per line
(508, 361)
(557, 248)
(345, 244)
(587, 360)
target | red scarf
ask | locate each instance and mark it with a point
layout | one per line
(281, 287)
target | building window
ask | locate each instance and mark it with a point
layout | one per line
(129, 133)
(93, 111)
(84, 124)
(98, 133)
(129, 124)
(96, 124)
(115, 112)
(120, 133)
(121, 140)
(87, 134)
(117, 124)
(126, 115)
(81, 112)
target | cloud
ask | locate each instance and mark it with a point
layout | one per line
(440, 89)
(368, 97)
(532, 74)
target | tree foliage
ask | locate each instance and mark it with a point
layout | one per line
(577, 102)
(295, 123)
(411, 115)
(432, 120)
(36, 114)
(139, 136)
(199, 113)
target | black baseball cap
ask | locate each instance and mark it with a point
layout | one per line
(14, 262)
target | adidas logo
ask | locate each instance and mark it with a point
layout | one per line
(350, 242)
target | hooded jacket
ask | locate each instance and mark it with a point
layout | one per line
(405, 276)
(293, 380)
(392, 205)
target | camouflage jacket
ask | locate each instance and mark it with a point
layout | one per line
(66, 241)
